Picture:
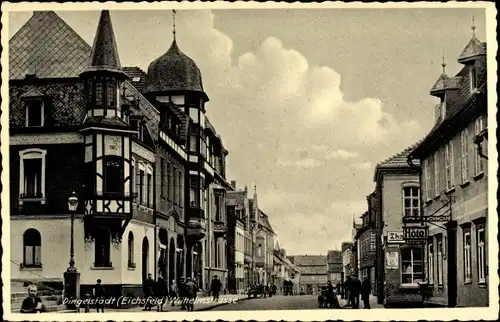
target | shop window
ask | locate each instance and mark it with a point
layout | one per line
(411, 265)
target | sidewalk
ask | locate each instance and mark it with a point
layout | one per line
(373, 302)
(202, 304)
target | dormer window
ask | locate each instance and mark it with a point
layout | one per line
(34, 112)
(136, 79)
(443, 107)
(473, 78)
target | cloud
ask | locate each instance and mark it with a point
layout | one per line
(342, 154)
(290, 130)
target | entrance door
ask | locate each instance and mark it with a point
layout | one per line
(145, 257)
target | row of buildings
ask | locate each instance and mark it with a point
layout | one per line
(426, 223)
(138, 152)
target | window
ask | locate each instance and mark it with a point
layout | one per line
(32, 173)
(162, 178)
(463, 159)
(436, 173)
(372, 241)
(467, 257)
(481, 254)
(111, 93)
(131, 262)
(259, 250)
(430, 259)
(149, 189)
(411, 197)
(102, 248)
(473, 78)
(449, 165)
(34, 112)
(32, 242)
(99, 93)
(113, 175)
(443, 108)
(439, 245)
(170, 188)
(175, 186)
(427, 179)
(132, 175)
(141, 186)
(194, 191)
(478, 164)
(411, 265)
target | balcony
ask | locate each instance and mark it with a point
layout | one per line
(220, 228)
(196, 228)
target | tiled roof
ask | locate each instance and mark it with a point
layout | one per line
(474, 48)
(310, 260)
(137, 77)
(399, 159)
(174, 71)
(334, 256)
(104, 55)
(47, 47)
(101, 120)
(265, 220)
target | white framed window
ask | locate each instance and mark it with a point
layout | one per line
(447, 166)
(440, 262)
(436, 174)
(34, 113)
(411, 265)
(464, 167)
(478, 127)
(467, 256)
(430, 261)
(427, 179)
(132, 175)
(481, 254)
(411, 200)
(32, 173)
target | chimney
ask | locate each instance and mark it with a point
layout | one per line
(233, 184)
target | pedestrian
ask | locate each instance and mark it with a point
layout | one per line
(191, 293)
(32, 304)
(348, 289)
(275, 288)
(366, 289)
(329, 294)
(182, 293)
(173, 292)
(215, 287)
(99, 295)
(148, 287)
(160, 292)
(356, 289)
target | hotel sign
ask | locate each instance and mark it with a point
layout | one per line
(395, 237)
(416, 233)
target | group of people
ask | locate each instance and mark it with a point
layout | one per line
(185, 293)
(327, 297)
(287, 288)
(353, 287)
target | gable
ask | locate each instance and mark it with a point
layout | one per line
(47, 47)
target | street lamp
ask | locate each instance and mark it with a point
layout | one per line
(72, 276)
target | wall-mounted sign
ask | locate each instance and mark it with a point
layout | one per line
(392, 260)
(416, 233)
(395, 237)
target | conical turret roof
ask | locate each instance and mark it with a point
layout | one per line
(104, 55)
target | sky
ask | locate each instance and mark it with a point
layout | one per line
(307, 101)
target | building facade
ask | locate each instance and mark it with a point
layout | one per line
(313, 272)
(136, 148)
(396, 198)
(365, 242)
(334, 266)
(347, 258)
(285, 270)
(454, 180)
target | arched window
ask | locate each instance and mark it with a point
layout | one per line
(32, 242)
(113, 175)
(131, 263)
(102, 248)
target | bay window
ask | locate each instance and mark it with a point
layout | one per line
(467, 256)
(411, 265)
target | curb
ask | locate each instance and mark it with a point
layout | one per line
(219, 305)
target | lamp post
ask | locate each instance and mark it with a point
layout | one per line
(72, 276)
